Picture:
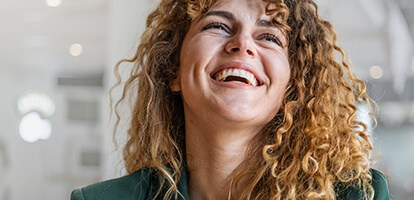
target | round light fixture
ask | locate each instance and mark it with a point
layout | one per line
(36, 101)
(376, 72)
(75, 49)
(33, 127)
(53, 3)
(35, 107)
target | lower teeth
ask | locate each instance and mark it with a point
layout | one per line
(236, 81)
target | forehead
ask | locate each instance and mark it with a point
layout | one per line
(245, 10)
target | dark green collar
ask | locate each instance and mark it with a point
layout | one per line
(343, 190)
(154, 185)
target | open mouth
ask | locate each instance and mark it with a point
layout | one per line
(236, 75)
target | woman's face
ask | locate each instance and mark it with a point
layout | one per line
(233, 65)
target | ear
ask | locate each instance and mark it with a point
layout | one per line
(175, 84)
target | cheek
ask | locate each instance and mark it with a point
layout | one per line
(283, 79)
(279, 69)
(281, 73)
(189, 54)
(199, 52)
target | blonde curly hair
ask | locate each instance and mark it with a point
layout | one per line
(313, 143)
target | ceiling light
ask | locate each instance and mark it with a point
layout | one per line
(376, 72)
(35, 107)
(75, 49)
(36, 101)
(53, 3)
(33, 127)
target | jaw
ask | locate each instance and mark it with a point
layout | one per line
(233, 101)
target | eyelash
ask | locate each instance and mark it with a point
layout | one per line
(271, 38)
(217, 25)
(220, 26)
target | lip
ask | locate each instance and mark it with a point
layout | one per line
(239, 65)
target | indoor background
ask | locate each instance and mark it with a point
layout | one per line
(56, 67)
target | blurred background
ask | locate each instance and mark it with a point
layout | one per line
(56, 67)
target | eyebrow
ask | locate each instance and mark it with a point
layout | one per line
(225, 14)
(265, 23)
(230, 16)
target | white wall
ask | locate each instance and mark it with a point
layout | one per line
(25, 171)
(49, 169)
(126, 24)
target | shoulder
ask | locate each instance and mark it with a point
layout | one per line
(380, 185)
(133, 186)
(378, 182)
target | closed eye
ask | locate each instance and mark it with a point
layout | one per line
(270, 37)
(217, 25)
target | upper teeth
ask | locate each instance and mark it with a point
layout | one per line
(222, 75)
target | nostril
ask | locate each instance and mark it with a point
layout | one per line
(235, 49)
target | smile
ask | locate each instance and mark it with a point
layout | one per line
(236, 75)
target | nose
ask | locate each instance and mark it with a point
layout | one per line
(241, 43)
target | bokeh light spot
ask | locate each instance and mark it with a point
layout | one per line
(76, 49)
(53, 3)
(376, 72)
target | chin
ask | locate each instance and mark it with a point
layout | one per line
(247, 117)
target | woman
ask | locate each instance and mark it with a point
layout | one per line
(242, 99)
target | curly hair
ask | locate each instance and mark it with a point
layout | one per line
(313, 143)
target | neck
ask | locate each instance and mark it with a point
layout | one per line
(212, 156)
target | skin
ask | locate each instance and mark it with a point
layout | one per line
(221, 118)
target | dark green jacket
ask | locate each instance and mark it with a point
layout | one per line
(143, 185)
